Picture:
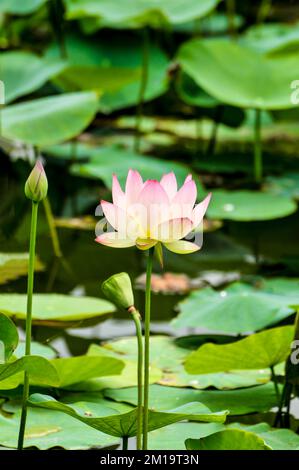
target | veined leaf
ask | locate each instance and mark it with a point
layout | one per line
(9, 338)
(47, 121)
(258, 351)
(125, 424)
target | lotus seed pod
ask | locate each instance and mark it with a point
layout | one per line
(118, 289)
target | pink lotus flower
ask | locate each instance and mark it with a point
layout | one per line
(153, 212)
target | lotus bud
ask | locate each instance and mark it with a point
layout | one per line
(118, 289)
(36, 186)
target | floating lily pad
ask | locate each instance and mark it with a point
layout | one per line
(168, 356)
(9, 338)
(125, 424)
(221, 380)
(281, 286)
(207, 308)
(277, 439)
(56, 309)
(77, 223)
(173, 437)
(136, 13)
(238, 402)
(164, 353)
(13, 265)
(23, 72)
(258, 351)
(106, 66)
(47, 121)
(103, 164)
(286, 185)
(46, 429)
(127, 377)
(230, 439)
(246, 206)
(249, 79)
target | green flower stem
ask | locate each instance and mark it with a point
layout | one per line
(56, 15)
(125, 440)
(230, 13)
(275, 381)
(52, 228)
(147, 344)
(258, 162)
(28, 320)
(142, 90)
(213, 139)
(136, 318)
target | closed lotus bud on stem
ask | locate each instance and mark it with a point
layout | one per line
(36, 186)
(118, 289)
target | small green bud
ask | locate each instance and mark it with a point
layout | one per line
(36, 186)
(118, 289)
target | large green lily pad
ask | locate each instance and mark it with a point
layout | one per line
(168, 357)
(23, 72)
(56, 309)
(173, 437)
(238, 402)
(111, 160)
(246, 206)
(138, 13)
(277, 439)
(9, 338)
(248, 79)
(127, 377)
(227, 380)
(280, 286)
(230, 439)
(13, 265)
(125, 424)
(48, 121)
(261, 350)
(106, 66)
(239, 308)
(46, 429)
